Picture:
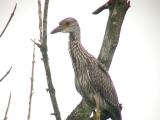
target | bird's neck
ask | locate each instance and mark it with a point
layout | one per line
(75, 36)
(80, 57)
(75, 46)
(75, 43)
(78, 54)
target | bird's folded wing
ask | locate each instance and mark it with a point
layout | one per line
(103, 84)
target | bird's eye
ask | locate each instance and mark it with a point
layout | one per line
(67, 23)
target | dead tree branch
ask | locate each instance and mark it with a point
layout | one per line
(117, 11)
(44, 24)
(112, 32)
(40, 20)
(12, 14)
(6, 113)
(32, 82)
(81, 112)
(101, 8)
(6, 74)
(43, 47)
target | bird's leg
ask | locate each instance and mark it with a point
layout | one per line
(97, 108)
(98, 114)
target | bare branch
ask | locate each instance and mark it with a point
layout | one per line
(6, 74)
(101, 8)
(32, 81)
(44, 25)
(81, 112)
(38, 44)
(6, 113)
(12, 14)
(43, 49)
(40, 20)
(107, 5)
(112, 32)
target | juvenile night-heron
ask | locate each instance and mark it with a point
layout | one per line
(92, 81)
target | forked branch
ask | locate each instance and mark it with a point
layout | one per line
(117, 13)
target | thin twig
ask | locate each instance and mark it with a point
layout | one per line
(40, 21)
(38, 44)
(12, 14)
(6, 74)
(43, 49)
(6, 113)
(32, 81)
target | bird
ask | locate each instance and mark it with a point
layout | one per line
(92, 80)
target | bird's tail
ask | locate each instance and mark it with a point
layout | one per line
(114, 113)
(114, 116)
(117, 114)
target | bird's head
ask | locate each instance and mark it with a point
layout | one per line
(67, 25)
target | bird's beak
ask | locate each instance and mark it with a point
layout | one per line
(57, 29)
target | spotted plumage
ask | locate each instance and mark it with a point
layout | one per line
(92, 80)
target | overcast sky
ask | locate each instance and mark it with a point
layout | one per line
(134, 70)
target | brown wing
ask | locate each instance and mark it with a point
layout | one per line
(103, 84)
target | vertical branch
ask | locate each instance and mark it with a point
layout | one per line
(6, 113)
(43, 48)
(32, 81)
(44, 25)
(40, 20)
(112, 32)
(12, 14)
